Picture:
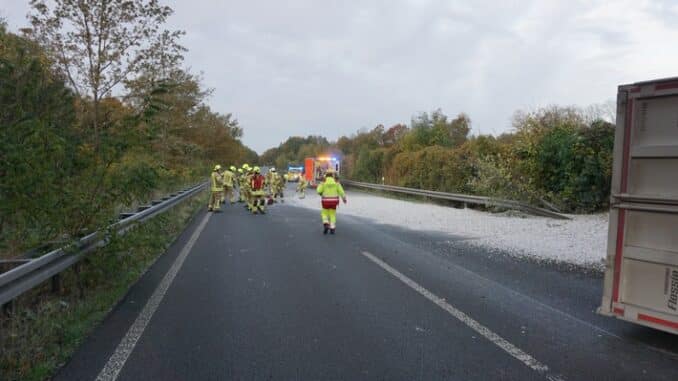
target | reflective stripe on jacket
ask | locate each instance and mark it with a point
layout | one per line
(227, 178)
(330, 191)
(215, 181)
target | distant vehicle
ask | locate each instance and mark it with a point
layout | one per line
(315, 168)
(294, 173)
(641, 275)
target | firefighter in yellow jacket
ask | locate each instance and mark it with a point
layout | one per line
(216, 188)
(228, 179)
(330, 192)
(301, 187)
(257, 193)
(244, 185)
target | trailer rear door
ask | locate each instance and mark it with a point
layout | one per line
(641, 279)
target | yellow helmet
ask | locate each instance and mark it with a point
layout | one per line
(245, 166)
(239, 170)
(257, 169)
(217, 167)
(232, 168)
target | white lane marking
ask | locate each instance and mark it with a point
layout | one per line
(535, 301)
(117, 361)
(497, 340)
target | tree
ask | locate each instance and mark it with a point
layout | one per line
(37, 144)
(435, 129)
(394, 134)
(100, 44)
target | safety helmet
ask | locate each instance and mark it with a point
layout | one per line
(217, 167)
(272, 169)
(245, 166)
(232, 168)
(239, 170)
(257, 169)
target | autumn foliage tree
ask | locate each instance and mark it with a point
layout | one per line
(555, 156)
(97, 113)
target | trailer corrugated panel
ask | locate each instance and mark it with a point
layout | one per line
(641, 278)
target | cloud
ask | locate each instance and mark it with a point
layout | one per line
(307, 67)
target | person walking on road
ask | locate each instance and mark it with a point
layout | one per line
(236, 183)
(277, 185)
(217, 189)
(245, 185)
(301, 187)
(330, 192)
(268, 188)
(248, 191)
(228, 179)
(257, 193)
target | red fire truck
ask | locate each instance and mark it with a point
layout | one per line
(315, 168)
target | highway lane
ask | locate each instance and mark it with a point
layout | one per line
(270, 297)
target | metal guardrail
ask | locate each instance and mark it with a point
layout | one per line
(34, 272)
(465, 198)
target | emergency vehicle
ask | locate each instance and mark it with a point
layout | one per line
(294, 173)
(315, 168)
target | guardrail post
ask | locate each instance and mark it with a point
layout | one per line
(9, 308)
(78, 281)
(56, 284)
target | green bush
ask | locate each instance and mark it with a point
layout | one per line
(553, 156)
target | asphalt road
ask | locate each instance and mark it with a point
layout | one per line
(271, 298)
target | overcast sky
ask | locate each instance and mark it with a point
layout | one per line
(300, 67)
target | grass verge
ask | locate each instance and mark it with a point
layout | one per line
(43, 329)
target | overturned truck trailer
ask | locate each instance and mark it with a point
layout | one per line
(641, 276)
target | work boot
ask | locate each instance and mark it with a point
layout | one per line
(326, 228)
(332, 231)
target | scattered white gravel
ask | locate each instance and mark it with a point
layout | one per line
(580, 241)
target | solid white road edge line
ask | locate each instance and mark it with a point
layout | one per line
(117, 361)
(497, 340)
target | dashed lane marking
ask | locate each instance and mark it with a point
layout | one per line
(122, 352)
(497, 340)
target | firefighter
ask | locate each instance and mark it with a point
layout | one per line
(241, 177)
(330, 192)
(280, 183)
(228, 178)
(269, 181)
(249, 172)
(236, 182)
(217, 189)
(301, 187)
(276, 185)
(257, 194)
(244, 185)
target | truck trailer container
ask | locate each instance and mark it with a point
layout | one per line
(641, 274)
